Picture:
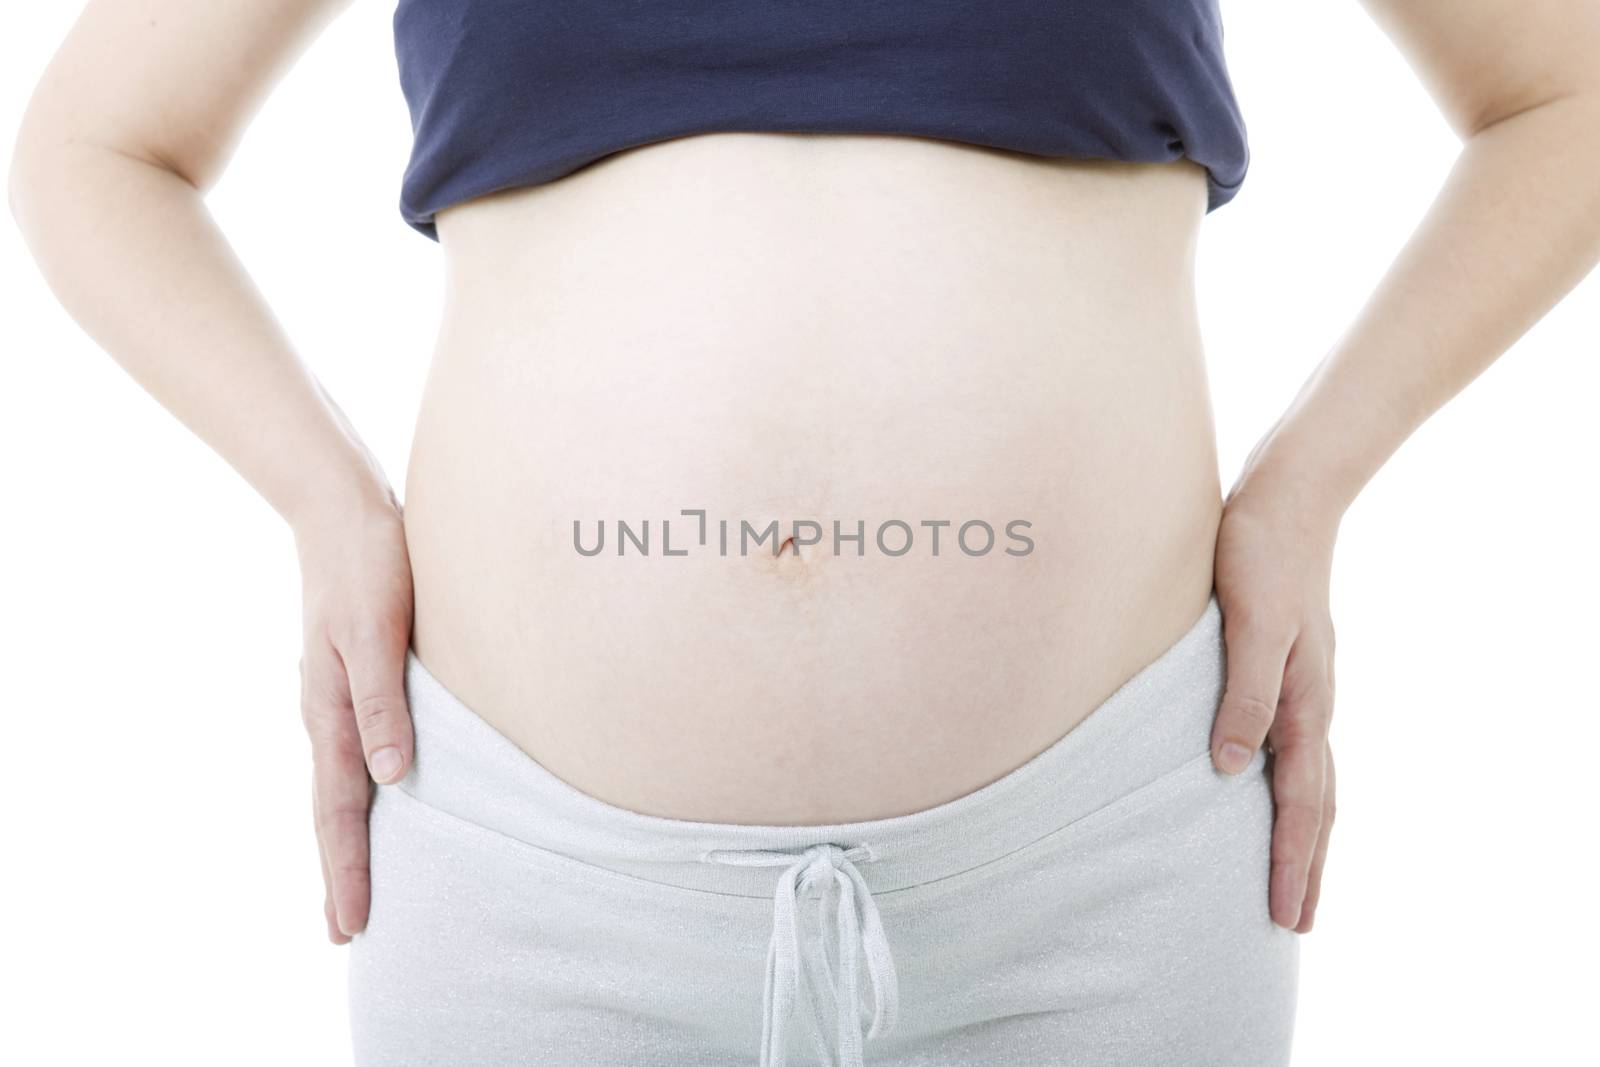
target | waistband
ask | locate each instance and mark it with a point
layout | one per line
(1155, 721)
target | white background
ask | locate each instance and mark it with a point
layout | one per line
(161, 890)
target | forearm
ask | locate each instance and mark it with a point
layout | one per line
(134, 256)
(1515, 227)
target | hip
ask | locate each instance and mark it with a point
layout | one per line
(517, 919)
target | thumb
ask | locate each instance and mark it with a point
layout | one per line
(1256, 655)
(375, 665)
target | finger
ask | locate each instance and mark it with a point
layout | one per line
(1256, 653)
(1299, 782)
(342, 791)
(335, 935)
(1308, 912)
(329, 915)
(1297, 798)
(374, 661)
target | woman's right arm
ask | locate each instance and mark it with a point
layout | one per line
(132, 122)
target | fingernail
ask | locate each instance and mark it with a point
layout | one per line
(385, 763)
(1233, 757)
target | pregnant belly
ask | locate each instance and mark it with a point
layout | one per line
(781, 479)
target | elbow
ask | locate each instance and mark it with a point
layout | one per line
(62, 180)
(34, 177)
(1583, 119)
(30, 174)
(35, 168)
(35, 180)
(29, 168)
(1558, 132)
(19, 178)
(59, 169)
(23, 184)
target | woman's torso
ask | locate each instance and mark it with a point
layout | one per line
(851, 328)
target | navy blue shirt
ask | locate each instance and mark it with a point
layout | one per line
(507, 93)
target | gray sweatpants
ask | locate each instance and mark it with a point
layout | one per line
(1103, 904)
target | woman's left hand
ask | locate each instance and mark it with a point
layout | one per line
(1274, 562)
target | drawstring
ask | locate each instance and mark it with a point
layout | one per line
(786, 957)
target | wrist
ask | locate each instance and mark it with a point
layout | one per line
(339, 503)
(1288, 474)
(1334, 436)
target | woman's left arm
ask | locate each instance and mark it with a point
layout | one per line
(1514, 228)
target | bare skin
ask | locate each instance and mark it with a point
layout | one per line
(844, 345)
(145, 100)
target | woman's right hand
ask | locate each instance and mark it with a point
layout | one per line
(130, 126)
(357, 599)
